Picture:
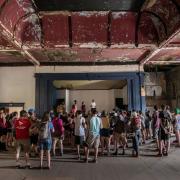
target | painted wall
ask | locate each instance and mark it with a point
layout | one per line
(105, 99)
(173, 87)
(17, 84)
(155, 89)
(125, 95)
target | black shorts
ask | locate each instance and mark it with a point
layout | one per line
(105, 132)
(79, 140)
(9, 130)
(34, 139)
(3, 131)
(163, 135)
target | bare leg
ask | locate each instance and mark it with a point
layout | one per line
(41, 158)
(18, 150)
(86, 150)
(158, 143)
(167, 146)
(160, 147)
(108, 145)
(61, 147)
(178, 137)
(116, 145)
(147, 134)
(102, 145)
(78, 150)
(27, 158)
(95, 153)
(54, 146)
(48, 158)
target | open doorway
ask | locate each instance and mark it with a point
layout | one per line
(108, 94)
(46, 91)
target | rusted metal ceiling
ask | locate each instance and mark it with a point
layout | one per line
(141, 33)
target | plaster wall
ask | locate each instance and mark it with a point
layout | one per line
(17, 84)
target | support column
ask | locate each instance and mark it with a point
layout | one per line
(130, 94)
(136, 97)
(41, 95)
(51, 95)
(142, 92)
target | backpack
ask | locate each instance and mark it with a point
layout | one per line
(44, 130)
(136, 123)
(59, 130)
(120, 126)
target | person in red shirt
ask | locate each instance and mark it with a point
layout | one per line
(74, 108)
(58, 135)
(22, 126)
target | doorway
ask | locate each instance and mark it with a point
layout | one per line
(46, 91)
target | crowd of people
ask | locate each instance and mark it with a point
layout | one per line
(105, 131)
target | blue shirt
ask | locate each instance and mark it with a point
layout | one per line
(95, 125)
(51, 128)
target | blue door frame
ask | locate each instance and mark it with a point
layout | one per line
(45, 91)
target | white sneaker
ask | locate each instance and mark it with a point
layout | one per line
(28, 165)
(18, 164)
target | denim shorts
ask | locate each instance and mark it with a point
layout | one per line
(45, 144)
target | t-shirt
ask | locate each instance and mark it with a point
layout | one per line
(83, 108)
(3, 123)
(74, 108)
(79, 129)
(156, 119)
(119, 126)
(51, 128)
(93, 105)
(136, 123)
(177, 122)
(22, 126)
(95, 125)
(105, 122)
(58, 126)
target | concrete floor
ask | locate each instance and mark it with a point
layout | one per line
(146, 167)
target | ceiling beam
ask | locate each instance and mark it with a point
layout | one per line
(161, 47)
(165, 62)
(9, 37)
(167, 41)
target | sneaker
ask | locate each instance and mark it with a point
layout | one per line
(137, 154)
(79, 158)
(115, 153)
(94, 161)
(165, 153)
(160, 155)
(28, 165)
(18, 165)
(40, 167)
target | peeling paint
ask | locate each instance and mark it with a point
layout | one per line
(91, 45)
(26, 6)
(92, 13)
(36, 29)
(117, 15)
